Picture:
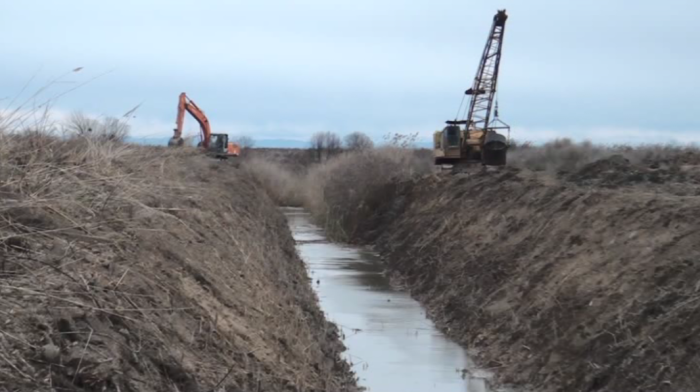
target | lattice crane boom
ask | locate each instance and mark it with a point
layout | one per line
(483, 91)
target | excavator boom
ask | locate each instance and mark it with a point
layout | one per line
(186, 105)
(216, 143)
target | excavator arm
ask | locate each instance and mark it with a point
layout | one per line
(185, 104)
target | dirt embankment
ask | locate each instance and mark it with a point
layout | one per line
(585, 282)
(138, 269)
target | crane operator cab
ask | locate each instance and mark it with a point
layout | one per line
(448, 144)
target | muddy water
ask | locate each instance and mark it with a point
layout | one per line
(391, 343)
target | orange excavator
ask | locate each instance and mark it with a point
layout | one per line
(215, 144)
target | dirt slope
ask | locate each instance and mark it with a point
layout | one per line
(137, 269)
(588, 282)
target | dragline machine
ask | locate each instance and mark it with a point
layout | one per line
(473, 138)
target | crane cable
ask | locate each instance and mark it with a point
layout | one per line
(466, 110)
(496, 118)
(460, 107)
(496, 111)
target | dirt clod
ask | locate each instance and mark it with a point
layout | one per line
(50, 353)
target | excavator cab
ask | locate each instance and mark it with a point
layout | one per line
(220, 147)
(448, 144)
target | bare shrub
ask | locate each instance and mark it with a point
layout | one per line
(106, 129)
(518, 145)
(343, 192)
(401, 140)
(80, 124)
(358, 141)
(325, 145)
(245, 142)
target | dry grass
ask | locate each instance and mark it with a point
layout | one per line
(58, 195)
(39, 168)
(147, 269)
(282, 184)
(344, 191)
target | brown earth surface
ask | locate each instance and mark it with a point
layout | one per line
(139, 269)
(585, 281)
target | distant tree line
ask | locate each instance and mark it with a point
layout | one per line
(324, 145)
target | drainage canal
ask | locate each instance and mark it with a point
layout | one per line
(391, 343)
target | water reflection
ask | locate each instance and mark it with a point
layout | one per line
(391, 343)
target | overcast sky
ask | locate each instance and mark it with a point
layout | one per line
(605, 70)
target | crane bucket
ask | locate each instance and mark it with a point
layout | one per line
(495, 147)
(176, 141)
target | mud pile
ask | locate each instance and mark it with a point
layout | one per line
(558, 283)
(679, 176)
(138, 269)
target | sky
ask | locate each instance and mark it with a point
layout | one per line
(609, 71)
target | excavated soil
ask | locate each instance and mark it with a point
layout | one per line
(138, 269)
(585, 281)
